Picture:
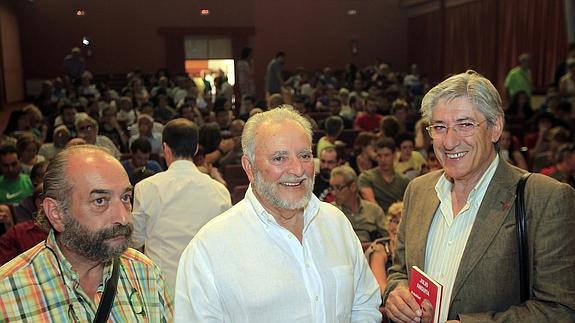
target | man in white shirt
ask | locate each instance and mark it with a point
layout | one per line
(279, 255)
(459, 225)
(171, 207)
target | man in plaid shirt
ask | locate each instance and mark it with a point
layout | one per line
(62, 279)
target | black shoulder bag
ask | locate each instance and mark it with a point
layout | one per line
(521, 224)
(107, 300)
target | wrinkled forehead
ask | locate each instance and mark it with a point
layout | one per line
(276, 134)
(459, 107)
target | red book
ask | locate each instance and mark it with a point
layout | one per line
(423, 287)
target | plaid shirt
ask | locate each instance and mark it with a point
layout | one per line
(41, 286)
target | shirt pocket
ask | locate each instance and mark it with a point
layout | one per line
(343, 276)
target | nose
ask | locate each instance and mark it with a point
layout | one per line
(296, 167)
(122, 212)
(451, 139)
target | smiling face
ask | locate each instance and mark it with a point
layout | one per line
(282, 173)
(464, 158)
(97, 223)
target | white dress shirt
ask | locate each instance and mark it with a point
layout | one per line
(448, 235)
(244, 267)
(170, 208)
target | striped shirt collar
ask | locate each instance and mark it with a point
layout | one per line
(444, 186)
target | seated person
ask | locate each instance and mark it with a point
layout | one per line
(14, 184)
(381, 252)
(6, 218)
(28, 147)
(61, 136)
(408, 162)
(364, 156)
(145, 130)
(27, 208)
(367, 218)
(564, 168)
(23, 235)
(333, 128)
(141, 150)
(87, 129)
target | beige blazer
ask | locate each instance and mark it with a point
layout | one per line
(486, 287)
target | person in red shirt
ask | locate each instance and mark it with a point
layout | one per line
(370, 119)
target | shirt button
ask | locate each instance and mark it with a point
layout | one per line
(306, 265)
(289, 236)
(317, 298)
(449, 242)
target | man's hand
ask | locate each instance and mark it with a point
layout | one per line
(402, 307)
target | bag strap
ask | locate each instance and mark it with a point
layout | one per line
(105, 306)
(521, 225)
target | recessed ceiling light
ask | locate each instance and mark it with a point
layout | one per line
(205, 12)
(352, 12)
(80, 13)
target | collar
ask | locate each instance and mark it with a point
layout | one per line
(309, 214)
(183, 164)
(348, 211)
(443, 186)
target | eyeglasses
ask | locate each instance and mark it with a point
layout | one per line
(338, 188)
(463, 129)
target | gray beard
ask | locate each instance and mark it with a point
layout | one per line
(271, 194)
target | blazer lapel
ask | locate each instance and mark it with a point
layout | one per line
(495, 207)
(428, 205)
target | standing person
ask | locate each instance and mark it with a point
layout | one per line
(245, 74)
(74, 65)
(62, 279)
(464, 236)
(274, 78)
(279, 255)
(165, 215)
(519, 78)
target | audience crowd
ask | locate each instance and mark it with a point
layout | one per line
(369, 141)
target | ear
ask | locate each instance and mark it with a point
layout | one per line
(353, 186)
(497, 129)
(247, 166)
(167, 153)
(54, 213)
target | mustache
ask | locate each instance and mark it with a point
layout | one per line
(291, 178)
(118, 230)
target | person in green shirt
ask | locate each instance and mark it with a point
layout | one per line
(14, 185)
(519, 78)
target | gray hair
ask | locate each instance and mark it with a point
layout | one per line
(471, 85)
(84, 117)
(346, 172)
(56, 183)
(277, 115)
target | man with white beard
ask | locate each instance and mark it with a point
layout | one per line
(279, 255)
